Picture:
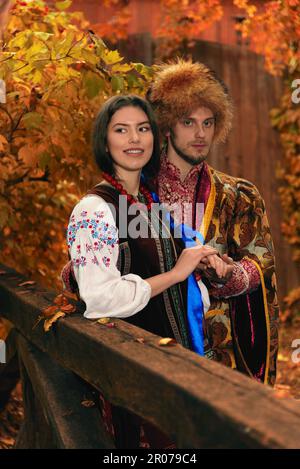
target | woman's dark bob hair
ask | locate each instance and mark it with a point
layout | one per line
(102, 157)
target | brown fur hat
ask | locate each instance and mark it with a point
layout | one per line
(181, 86)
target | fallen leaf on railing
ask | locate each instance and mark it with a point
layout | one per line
(88, 403)
(28, 282)
(70, 295)
(68, 308)
(167, 341)
(103, 320)
(282, 391)
(60, 300)
(49, 322)
(140, 340)
(49, 311)
(110, 324)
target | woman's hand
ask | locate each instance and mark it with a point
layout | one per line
(189, 260)
(217, 269)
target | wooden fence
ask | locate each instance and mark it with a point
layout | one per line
(253, 151)
(197, 402)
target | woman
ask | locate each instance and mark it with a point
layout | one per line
(139, 279)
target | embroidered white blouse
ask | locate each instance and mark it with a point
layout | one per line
(94, 249)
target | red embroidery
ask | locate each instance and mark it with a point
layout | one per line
(172, 190)
(245, 278)
(253, 275)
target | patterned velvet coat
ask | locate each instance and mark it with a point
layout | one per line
(242, 330)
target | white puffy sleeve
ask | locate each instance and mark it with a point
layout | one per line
(94, 248)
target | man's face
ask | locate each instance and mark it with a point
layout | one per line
(192, 136)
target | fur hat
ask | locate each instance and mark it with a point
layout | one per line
(181, 86)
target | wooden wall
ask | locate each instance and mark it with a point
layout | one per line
(253, 150)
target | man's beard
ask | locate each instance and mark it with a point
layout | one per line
(189, 159)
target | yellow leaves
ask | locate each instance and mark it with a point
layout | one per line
(106, 322)
(121, 68)
(282, 358)
(63, 5)
(49, 322)
(57, 76)
(21, 40)
(111, 57)
(59, 309)
(166, 341)
(103, 320)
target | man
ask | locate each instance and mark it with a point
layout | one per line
(194, 112)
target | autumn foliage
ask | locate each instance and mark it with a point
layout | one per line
(57, 74)
(275, 33)
(180, 22)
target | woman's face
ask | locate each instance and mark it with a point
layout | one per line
(129, 139)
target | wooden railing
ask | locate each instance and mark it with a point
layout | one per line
(197, 402)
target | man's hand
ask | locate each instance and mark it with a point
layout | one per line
(216, 268)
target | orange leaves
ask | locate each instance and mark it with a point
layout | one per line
(274, 32)
(28, 282)
(88, 403)
(3, 143)
(184, 21)
(60, 308)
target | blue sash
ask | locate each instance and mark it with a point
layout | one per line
(194, 297)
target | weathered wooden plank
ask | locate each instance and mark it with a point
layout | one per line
(35, 432)
(197, 402)
(59, 393)
(9, 371)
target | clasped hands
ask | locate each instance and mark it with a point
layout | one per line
(216, 268)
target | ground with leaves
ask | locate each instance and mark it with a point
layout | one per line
(287, 387)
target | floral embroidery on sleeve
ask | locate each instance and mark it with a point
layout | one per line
(98, 236)
(106, 261)
(79, 262)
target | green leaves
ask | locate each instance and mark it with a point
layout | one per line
(93, 84)
(117, 84)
